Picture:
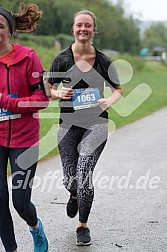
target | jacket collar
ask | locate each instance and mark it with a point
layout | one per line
(21, 53)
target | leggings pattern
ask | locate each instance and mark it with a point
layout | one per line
(21, 193)
(80, 150)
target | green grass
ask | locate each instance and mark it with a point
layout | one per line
(157, 99)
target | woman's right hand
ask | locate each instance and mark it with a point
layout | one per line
(65, 93)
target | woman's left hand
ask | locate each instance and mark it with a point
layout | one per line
(0, 96)
(104, 103)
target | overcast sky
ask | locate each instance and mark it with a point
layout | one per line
(146, 9)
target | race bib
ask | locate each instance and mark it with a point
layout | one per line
(85, 98)
(5, 114)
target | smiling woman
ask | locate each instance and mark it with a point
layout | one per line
(83, 128)
(84, 26)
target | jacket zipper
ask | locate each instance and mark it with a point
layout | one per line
(8, 93)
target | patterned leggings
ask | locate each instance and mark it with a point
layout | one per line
(80, 150)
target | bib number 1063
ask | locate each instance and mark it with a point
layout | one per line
(86, 98)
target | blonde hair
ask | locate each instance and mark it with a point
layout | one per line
(87, 12)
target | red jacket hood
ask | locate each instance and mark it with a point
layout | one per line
(21, 52)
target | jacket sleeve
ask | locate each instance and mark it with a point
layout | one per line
(30, 103)
(26, 104)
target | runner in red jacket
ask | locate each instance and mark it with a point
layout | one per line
(20, 78)
(21, 96)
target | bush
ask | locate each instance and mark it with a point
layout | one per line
(40, 40)
(136, 62)
(65, 40)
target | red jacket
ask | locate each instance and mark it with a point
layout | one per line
(18, 79)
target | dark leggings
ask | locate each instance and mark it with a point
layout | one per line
(22, 179)
(79, 151)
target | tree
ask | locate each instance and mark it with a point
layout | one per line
(155, 35)
(115, 30)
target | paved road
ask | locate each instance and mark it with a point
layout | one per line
(130, 207)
